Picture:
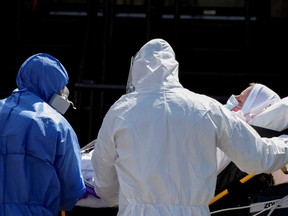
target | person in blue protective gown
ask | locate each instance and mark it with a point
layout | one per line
(39, 150)
(155, 153)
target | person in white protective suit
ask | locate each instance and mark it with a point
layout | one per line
(155, 153)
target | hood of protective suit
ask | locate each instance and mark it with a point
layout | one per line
(43, 75)
(155, 66)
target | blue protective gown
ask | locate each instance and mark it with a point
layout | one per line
(39, 151)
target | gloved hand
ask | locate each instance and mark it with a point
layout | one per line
(89, 191)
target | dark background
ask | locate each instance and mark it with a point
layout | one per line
(221, 46)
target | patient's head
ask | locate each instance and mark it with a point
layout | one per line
(253, 100)
(241, 98)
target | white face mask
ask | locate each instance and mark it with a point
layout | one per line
(231, 102)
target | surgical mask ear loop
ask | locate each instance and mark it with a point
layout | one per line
(72, 104)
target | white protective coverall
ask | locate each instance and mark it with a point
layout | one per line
(155, 153)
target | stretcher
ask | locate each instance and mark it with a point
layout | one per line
(87, 171)
(242, 194)
(251, 195)
(88, 174)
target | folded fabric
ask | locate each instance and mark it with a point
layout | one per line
(274, 117)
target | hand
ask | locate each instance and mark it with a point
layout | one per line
(89, 191)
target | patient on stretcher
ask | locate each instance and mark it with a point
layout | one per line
(259, 106)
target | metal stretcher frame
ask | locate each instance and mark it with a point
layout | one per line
(226, 191)
(242, 180)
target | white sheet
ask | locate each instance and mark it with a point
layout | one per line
(88, 175)
(275, 118)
